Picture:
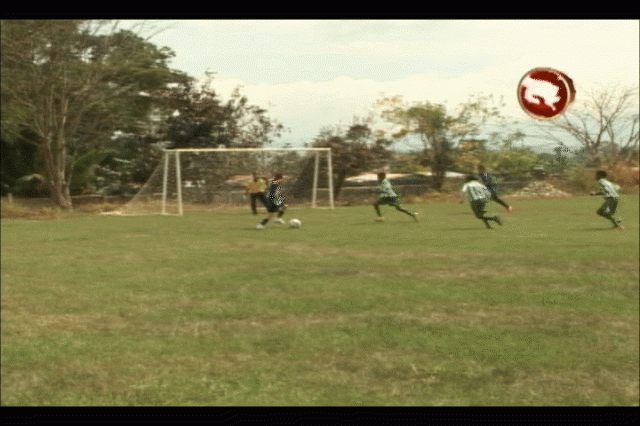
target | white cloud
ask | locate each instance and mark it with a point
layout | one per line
(310, 74)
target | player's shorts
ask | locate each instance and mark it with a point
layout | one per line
(609, 207)
(479, 208)
(274, 209)
(259, 196)
(391, 201)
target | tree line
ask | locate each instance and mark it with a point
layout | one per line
(87, 106)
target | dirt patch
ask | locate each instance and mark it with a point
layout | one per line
(541, 189)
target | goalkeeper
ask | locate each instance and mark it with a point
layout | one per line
(274, 202)
(255, 190)
(386, 195)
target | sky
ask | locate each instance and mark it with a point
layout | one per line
(310, 74)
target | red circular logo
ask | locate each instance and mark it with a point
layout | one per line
(545, 93)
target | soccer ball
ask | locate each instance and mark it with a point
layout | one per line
(295, 223)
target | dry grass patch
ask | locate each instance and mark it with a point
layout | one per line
(587, 385)
(470, 315)
(18, 211)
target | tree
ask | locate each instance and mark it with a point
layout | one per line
(512, 162)
(439, 133)
(19, 158)
(126, 167)
(470, 154)
(353, 151)
(605, 123)
(196, 117)
(200, 119)
(69, 84)
(187, 115)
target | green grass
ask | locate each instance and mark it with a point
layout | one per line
(206, 310)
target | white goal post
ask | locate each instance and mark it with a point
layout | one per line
(218, 176)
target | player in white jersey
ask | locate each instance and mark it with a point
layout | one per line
(609, 192)
(478, 195)
(386, 195)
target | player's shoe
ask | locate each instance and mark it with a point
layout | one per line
(509, 209)
(278, 220)
(415, 216)
(260, 226)
(379, 219)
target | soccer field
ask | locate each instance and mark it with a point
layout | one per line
(206, 310)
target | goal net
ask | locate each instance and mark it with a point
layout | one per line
(201, 179)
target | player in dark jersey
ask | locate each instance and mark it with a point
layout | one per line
(274, 202)
(491, 183)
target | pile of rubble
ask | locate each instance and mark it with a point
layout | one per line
(540, 189)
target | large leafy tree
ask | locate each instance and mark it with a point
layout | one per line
(187, 115)
(200, 118)
(353, 150)
(438, 133)
(195, 116)
(67, 85)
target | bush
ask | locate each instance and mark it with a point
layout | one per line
(582, 180)
(18, 211)
(627, 177)
(22, 209)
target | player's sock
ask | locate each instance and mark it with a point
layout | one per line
(617, 222)
(264, 222)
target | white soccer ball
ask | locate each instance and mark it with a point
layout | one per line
(295, 223)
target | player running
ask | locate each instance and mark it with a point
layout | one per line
(386, 195)
(478, 195)
(609, 192)
(274, 202)
(490, 182)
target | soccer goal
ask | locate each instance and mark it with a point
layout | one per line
(200, 179)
